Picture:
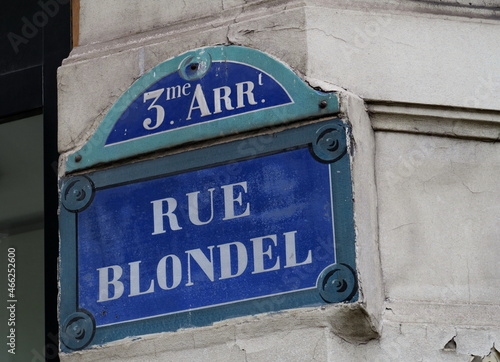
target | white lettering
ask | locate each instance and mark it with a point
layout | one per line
(218, 98)
(199, 97)
(135, 287)
(160, 112)
(258, 254)
(291, 251)
(234, 207)
(161, 272)
(158, 215)
(230, 201)
(193, 208)
(104, 283)
(240, 92)
(185, 88)
(226, 262)
(207, 265)
(173, 92)
(233, 257)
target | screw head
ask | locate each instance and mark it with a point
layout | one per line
(323, 104)
(78, 332)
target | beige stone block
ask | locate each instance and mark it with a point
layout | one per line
(406, 51)
(438, 209)
(86, 92)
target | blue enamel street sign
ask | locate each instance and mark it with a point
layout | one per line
(206, 237)
(226, 89)
(259, 224)
(203, 94)
(250, 226)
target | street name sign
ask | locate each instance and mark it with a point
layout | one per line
(258, 223)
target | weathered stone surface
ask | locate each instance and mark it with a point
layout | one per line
(394, 53)
(438, 213)
(87, 90)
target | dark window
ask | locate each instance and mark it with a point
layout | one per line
(34, 38)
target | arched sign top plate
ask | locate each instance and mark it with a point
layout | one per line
(199, 95)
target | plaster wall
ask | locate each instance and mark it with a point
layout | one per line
(405, 55)
(438, 208)
(419, 82)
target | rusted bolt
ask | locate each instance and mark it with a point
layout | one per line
(78, 158)
(322, 104)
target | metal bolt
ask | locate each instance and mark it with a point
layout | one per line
(76, 330)
(322, 104)
(194, 66)
(78, 158)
